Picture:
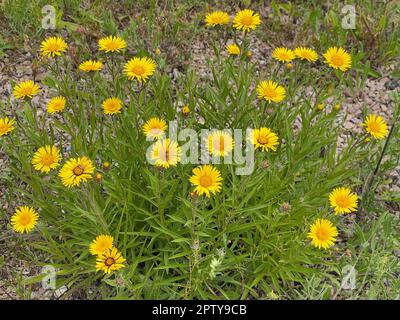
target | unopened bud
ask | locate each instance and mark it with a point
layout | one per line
(106, 166)
(185, 110)
(98, 177)
(265, 164)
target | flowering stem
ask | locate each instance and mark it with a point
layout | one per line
(371, 178)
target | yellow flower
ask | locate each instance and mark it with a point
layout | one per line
(56, 104)
(289, 66)
(207, 179)
(337, 58)
(246, 20)
(343, 200)
(220, 143)
(185, 110)
(264, 139)
(24, 219)
(304, 53)
(106, 166)
(271, 91)
(139, 68)
(75, 171)
(320, 107)
(233, 49)
(112, 106)
(323, 234)
(283, 54)
(46, 158)
(101, 244)
(110, 260)
(154, 128)
(53, 46)
(112, 44)
(217, 18)
(166, 153)
(376, 126)
(6, 126)
(337, 107)
(26, 89)
(91, 65)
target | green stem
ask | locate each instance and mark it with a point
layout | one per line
(371, 178)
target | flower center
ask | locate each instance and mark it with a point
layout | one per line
(139, 70)
(48, 159)
(342, 201)
(205, 181)
(222, 144)
(165, 155)
(27, 91)
(109, 262)
(3, 128)
(113, 106)
(156, 131)
(219, 144)
(270, 93)
(337, 60)
(247, 21)
(25, 219)
(53, 47)
(262, 140)
(78, 170)
(322, 234)
(57, 105)
(373, 127)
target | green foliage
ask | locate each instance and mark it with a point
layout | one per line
(239, 244)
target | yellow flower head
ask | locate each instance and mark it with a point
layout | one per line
(53, 46)
(271, 91)
(112, 106)
(376, 126)
(91, 65)
(101, 244)
(26, 89)
(46, 158)
(343, 200)
(220, 143)
(140, 68)
(337, 58)
(24, 219)
(106, 165)
(283, 54)
(233, 49)
(112, 44)
(304, 53)
(6, 126)
(56, 104)
(207, 180)
(246, 20)
(75, 171)
(264, 139)
(166, 153)
(185, 110)
(110, 260)
(323, 234)
(154, 128)
(217, 18)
